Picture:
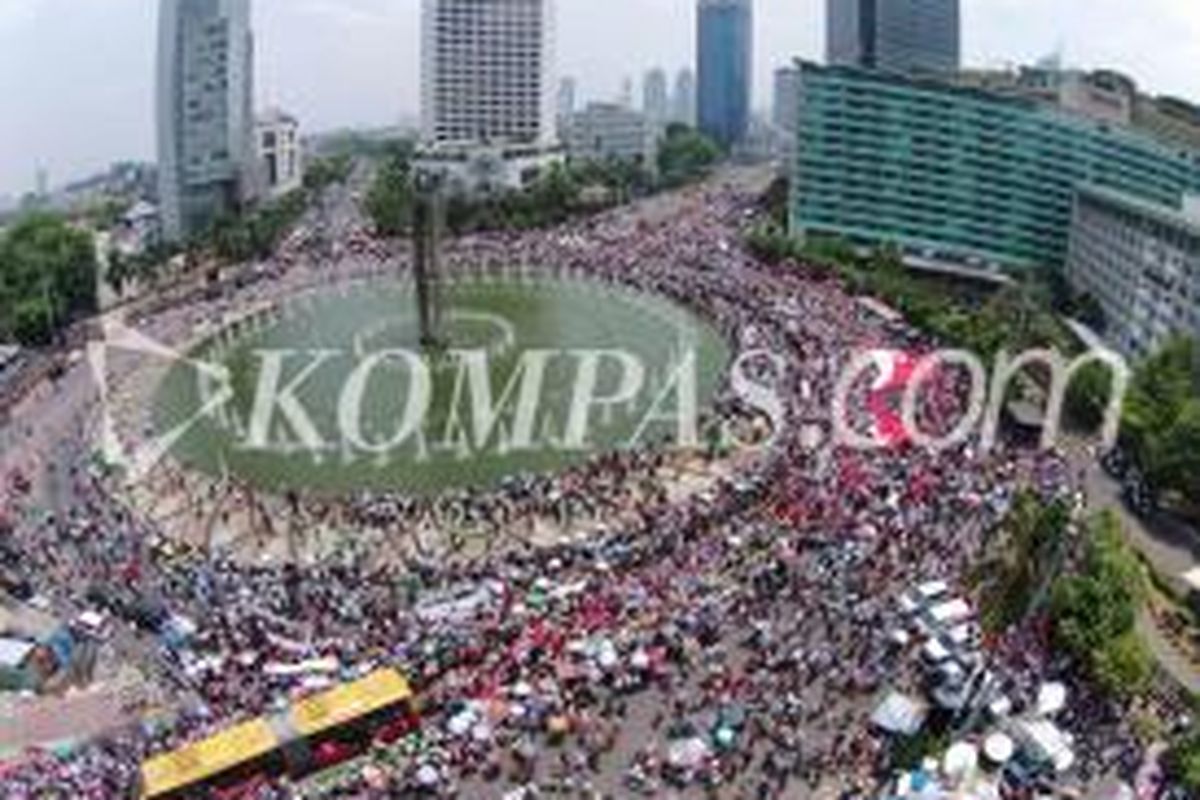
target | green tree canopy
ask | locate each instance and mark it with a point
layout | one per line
(389, 198)
(1161, 423)
(1095, 611)
(47, 278)
(685, 155)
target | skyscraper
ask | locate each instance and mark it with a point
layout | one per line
(723, 55)
(487, 71)
(205, 112)
(565, 103)
(785, 109)
(893, 35)
(656, 100)
(683, 101)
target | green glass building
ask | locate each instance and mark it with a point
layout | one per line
(959, 174)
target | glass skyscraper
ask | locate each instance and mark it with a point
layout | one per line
(958, 173)
(205, 112)
(893, 35)
(724, 51)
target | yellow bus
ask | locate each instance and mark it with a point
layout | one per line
(227, 758)
(312, 734)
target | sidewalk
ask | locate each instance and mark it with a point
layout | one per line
(1169, 546)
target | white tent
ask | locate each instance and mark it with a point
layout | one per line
(900, 714)
(1052, 698)
(952, 612)
(1045, 741)
(932, 590)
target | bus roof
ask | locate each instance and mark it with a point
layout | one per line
(206, 758)
(351, 701)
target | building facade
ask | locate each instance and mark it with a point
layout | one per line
(611, 132)
(204, 112)
(1105, 95)
(277, 139)
(724, 47)
(893, 35)
(488, 71)
(1141, 262)
(957, 174)
(656, 97)
(785, 108)
(683, 98)
(565, 101)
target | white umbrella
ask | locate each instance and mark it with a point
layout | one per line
(960, 761)
(998, 748)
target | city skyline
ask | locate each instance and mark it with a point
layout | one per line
(92, 71)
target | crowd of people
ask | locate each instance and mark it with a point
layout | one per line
(729, 644)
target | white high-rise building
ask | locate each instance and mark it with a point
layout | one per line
(488, 71)
(205, 112)
(277, 143)
(488, 92)
(683, 102)
(567, 89)
(656, 97)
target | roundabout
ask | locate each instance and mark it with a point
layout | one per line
(330, 391)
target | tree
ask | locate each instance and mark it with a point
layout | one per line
(1095, 611)
(47, 277)
(1161, 426)
(1122, 666)
(685, 155)
(1183, 760)
(1028, 555)
(323, 172)
(390, 197)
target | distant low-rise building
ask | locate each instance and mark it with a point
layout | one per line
(1141, 263)
(138, 228)
(1103, 95)
(278, 151)
(611, 132)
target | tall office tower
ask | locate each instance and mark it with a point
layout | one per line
(565, 104)
(785, 109)
(723, 55)
(683, 101)
(656, 100)
(487, 72)
(893, 35)
(205, 112)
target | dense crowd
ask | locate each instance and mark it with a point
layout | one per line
(728, 645)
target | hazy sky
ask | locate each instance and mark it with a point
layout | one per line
(77, 76)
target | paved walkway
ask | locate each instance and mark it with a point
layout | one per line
(1171, 548)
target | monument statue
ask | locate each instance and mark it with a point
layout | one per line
(427, 235)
